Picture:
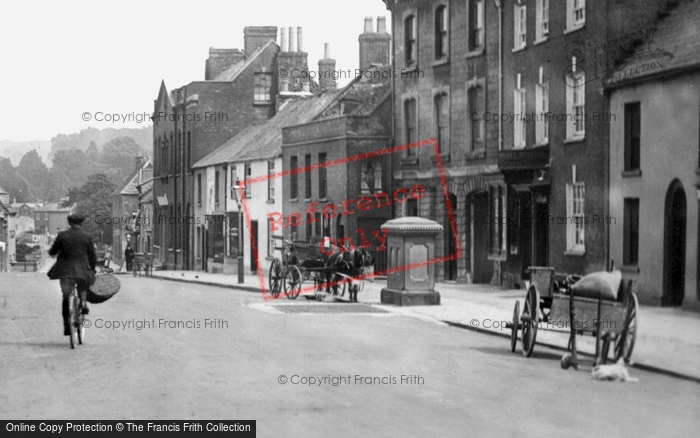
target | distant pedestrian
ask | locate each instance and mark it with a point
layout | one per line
(129, 256)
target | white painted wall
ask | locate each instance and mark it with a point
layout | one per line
(669, 149)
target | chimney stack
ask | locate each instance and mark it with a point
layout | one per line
(374, 46)
(138, 161)
(257, 36)
(326, 70)
(220, 60)
(293, 59)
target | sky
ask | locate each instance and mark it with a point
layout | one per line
(60, 60)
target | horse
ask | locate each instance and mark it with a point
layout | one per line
(352, 263)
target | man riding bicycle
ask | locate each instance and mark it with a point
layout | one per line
(75, 265)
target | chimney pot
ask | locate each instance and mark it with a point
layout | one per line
(369, 24)
(306, 87)
(381, 24)
(283, 39)
(326, 51)
(284, 84)
(292, 46)
(299, 49)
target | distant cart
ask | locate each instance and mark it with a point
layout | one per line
(331, 275)
(143, 262)
(584, 312)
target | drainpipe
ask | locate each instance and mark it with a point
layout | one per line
(500, 72)
(392, 140)
(175, 203)
(185, 243)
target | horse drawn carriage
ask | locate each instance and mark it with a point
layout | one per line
(331, 274)
(601, 304)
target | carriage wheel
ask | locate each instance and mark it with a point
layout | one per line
(339, 285)
(625, 342)
(292, 282)
(275, 277)
(529, 322)
(514, 329)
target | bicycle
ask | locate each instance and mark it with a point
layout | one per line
(77, 319)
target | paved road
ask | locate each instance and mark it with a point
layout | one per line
(470, 384)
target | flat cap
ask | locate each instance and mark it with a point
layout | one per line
(75, 219)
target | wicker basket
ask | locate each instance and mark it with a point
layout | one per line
(105, 287)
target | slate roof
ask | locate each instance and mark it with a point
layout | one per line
(362, 95)
(128, 187)
(259, 142)
(678, 34)
(232, 73)
(52, 207)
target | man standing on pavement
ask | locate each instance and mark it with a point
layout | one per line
(129, 256)
(75, 265)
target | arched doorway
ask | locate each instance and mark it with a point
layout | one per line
(674, 245)
(451, 241)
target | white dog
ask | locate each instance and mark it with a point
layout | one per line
(615, 372)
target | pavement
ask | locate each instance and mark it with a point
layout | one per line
(668, 339)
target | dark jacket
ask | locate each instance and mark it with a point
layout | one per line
(76, 255)
(129, 254)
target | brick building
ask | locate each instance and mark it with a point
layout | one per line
(356, 121)
(654, 161)
(255, 153)
(475, 75)
(51, 219)
(554, 158)
(194, 120)
(446, 69)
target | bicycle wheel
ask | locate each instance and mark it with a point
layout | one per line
(72, 303)
(80, 323)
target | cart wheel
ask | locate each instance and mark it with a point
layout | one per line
(339, 285)
(292, 282)
(529, 320)
(275, 277)
(514, 329)
(625, 342)
(565, 361)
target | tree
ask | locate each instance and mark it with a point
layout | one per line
(16, 186)
(94, 199)
(72, 168)
(119, 154)
(92, 153)
(35, 172)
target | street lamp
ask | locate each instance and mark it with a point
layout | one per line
(238, 193)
